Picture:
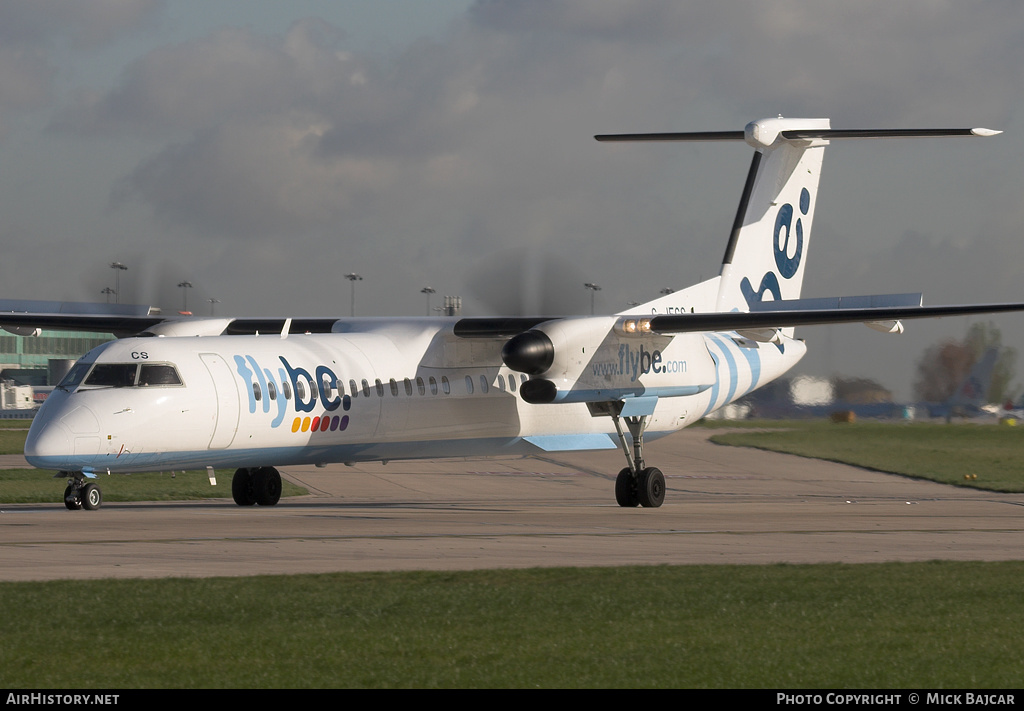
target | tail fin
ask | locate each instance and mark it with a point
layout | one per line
(768, 246)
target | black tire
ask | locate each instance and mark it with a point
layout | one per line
(267, 486)
(242, 489)
(92, 497)
(72, 500)
(650, 488)
(625, 489)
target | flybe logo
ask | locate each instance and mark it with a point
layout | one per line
(307, 393)
(788, 246)
(634, 363)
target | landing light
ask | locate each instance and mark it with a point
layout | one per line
(635, 326)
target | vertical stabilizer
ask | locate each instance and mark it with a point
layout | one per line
(767, 249)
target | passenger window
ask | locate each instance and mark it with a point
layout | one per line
(394, 387)
(446, 387)
(501, 383)
(286, 388)
(271, 390)
(408, 387)
(353, 387)
(151, 374)
(469, 384)
(112, 375)
(483, 384)
(257, 393)
(380, 387)
(511, 383)
(366, 388)
(433, 386)
(300, 389)
(421, 387)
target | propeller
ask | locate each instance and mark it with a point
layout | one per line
(521, 282)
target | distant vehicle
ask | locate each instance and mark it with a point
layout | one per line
(257, 394)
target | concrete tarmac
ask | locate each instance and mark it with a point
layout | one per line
(724, 505)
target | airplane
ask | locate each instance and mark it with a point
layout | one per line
(256, 394)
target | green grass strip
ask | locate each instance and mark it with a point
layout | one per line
(35, 486)
(981, 456)
(900, 625)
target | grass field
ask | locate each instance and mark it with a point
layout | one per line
(33, 486)
(980, 456)
(927, 625)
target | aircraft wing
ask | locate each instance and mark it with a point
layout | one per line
(784, 318)
(881, 311)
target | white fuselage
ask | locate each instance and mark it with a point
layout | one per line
(398, 389)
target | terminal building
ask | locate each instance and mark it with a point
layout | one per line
(32, 361)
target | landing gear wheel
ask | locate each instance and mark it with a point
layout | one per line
(625, 489)
(650, 487)
(72, 499)
(92, 497)
(266, 485)
(242, 488)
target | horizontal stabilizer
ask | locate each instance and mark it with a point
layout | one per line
(799, 134)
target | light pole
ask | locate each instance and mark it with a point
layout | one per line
(594, 288)
(184, 286)
(212, 302)
(428, 291)
(353, 278)
(108, 291)
(118, 268)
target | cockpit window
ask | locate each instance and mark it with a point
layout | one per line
(74, 376)
(112, 375)
(158, 374)
(122, 375)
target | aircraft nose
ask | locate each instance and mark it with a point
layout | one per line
(60, 433)
(47, 442)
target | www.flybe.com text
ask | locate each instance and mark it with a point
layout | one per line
(635, 363)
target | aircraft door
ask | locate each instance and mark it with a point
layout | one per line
(226, 416)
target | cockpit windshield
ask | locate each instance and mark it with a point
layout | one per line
(120, 375)
(74, 376)
(113, 375)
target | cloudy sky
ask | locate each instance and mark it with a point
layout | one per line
(262, 150)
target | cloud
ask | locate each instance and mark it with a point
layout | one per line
(86, 23)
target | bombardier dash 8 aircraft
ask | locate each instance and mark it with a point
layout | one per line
(257, 394)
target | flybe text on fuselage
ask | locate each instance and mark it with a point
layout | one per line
(635, 362)
(290, 384)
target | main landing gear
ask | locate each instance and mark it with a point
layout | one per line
(256, 486)
(637, 484)
(81, 494)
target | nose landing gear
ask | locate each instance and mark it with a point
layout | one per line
(81, 494)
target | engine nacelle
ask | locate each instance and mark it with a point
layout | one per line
(530, 352)
(557, 349)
